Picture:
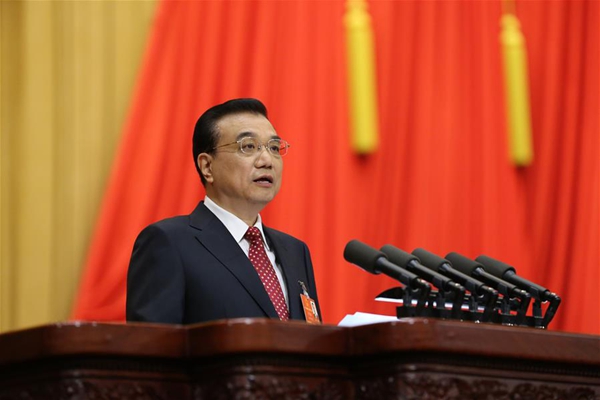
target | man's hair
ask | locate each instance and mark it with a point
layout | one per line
(206, 135)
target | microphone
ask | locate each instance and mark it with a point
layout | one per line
(444, 266)
(412, 263)
(376, 262)
(476, 270)
(487, 295)
(539, 293)
(509, 274)
(440, 281)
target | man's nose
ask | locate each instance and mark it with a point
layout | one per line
(264, 158)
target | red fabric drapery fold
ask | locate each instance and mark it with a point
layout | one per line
(441, 180)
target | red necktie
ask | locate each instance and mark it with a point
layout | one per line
(260, 261)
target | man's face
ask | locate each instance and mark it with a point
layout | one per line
(241, 182)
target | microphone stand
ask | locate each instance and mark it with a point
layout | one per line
(420, 294)
(487, 300)
(552, 308)
(456, 295)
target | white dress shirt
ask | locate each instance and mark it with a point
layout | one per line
(238, 229)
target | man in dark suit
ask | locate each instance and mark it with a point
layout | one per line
(221, 261)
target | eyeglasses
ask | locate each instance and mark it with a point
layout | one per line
(251, 146)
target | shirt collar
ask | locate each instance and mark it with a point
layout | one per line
(234, 225)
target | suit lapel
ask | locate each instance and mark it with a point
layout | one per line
(287, 262)
(215, 237)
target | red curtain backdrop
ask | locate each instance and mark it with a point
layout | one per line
(441, 179)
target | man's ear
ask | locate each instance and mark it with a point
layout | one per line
(204, 162)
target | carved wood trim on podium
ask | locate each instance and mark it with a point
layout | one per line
(268, 359)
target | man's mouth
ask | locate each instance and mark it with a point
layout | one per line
(264, 179)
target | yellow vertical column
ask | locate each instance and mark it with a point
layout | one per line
(66, 250)
(66, 77)
(85, 32)
(33, 156)
(516, 85)
(362, 81)
(6, 26)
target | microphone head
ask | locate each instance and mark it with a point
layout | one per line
(494, 267)
(397, 256)
(363, 255)
(462, 263)
(429, 259)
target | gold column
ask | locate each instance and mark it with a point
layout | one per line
(68, 70)
(362, 80)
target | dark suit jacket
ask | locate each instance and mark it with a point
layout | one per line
(189, 269)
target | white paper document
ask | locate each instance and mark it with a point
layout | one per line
(360, 318)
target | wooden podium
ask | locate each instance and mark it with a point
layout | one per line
(412, 358)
